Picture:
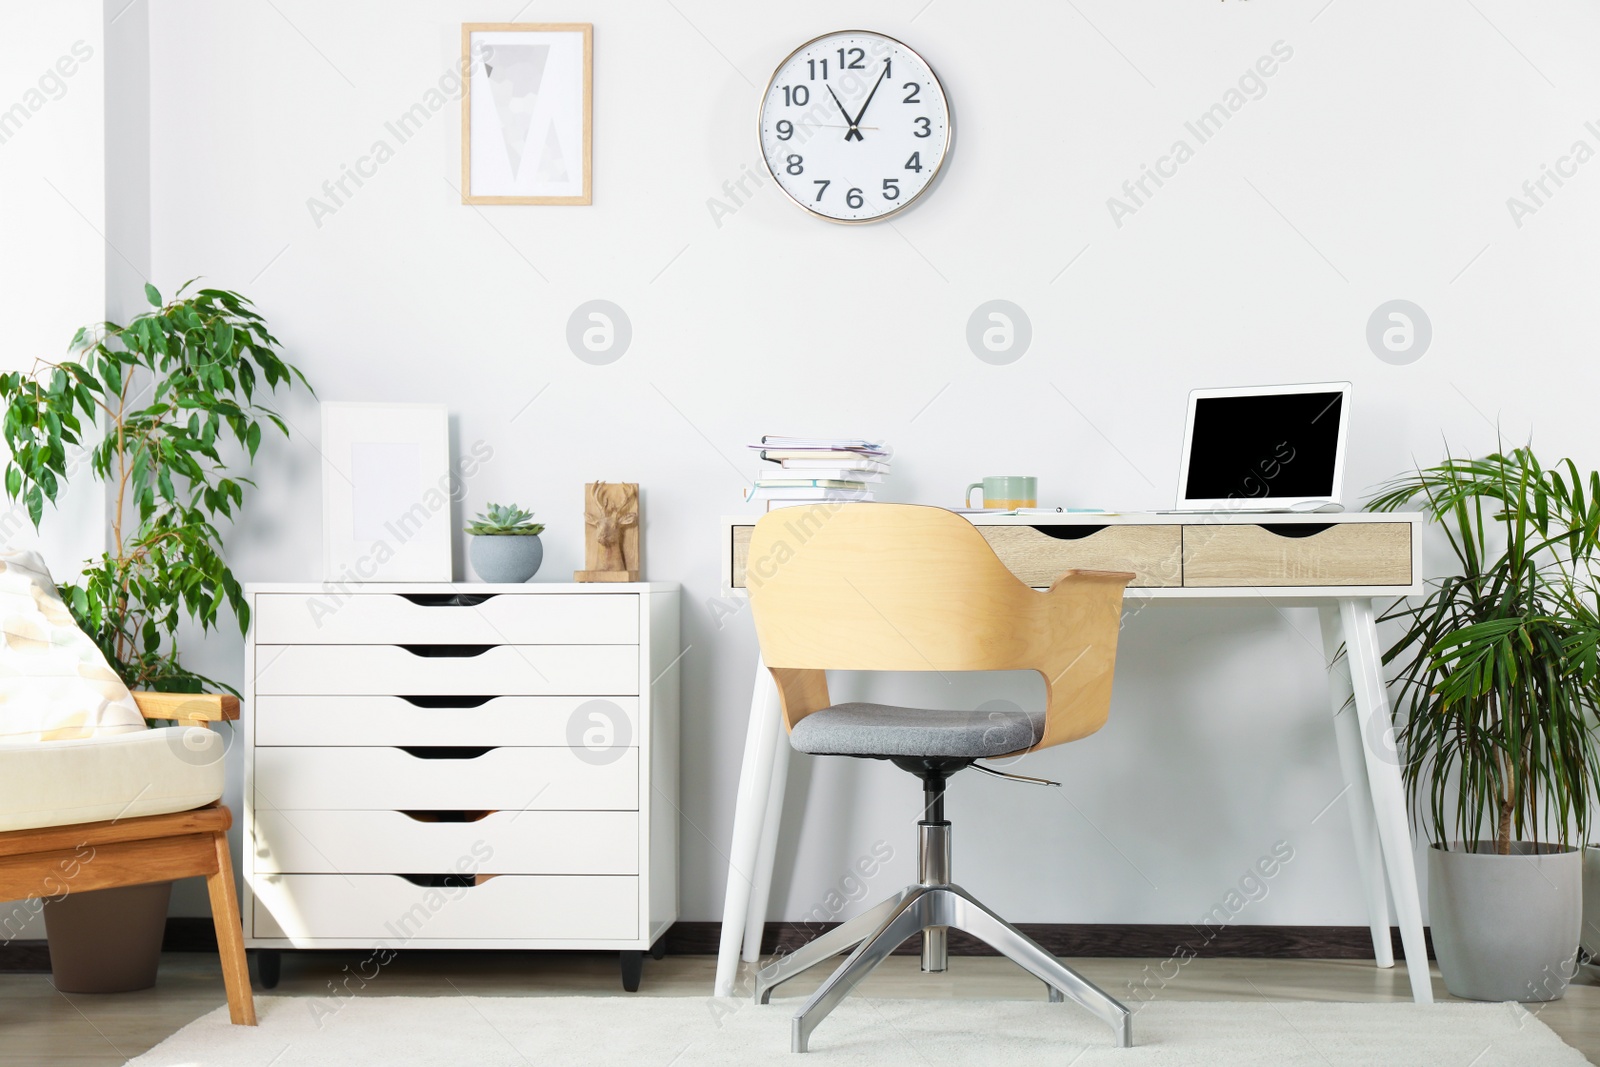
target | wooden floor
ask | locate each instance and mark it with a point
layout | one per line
(43, 1028)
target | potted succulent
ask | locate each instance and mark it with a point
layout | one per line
(1497, 689)
(505, 544)
(172, 390)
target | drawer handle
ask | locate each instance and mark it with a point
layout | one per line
(447, 702)
(444, 881)
(448, 600)
(447, 816)
(447, 651)
(444, 751)
(1295, 529)
(1072, 532)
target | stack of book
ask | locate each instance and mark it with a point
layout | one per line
(814, 469)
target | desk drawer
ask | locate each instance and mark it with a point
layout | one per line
(503, 670)
(394, 779)
(1267, 555)
(500, 842)
(394, 911)
(420, 618)
(1038, 557)
(392, 720)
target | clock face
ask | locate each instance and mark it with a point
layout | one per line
(854, 126)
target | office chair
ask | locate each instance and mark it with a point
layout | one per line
(895, 587)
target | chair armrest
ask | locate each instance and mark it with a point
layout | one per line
(188, 709)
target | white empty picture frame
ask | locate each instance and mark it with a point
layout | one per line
(525, 112)
(386, 492)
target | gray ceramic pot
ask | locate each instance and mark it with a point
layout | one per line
(1591, 903)
(506, 557)
(1506, 927)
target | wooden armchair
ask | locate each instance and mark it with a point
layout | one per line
(152, 848)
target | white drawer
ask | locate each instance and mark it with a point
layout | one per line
(390, 910)
(392, 779)
(336, 670)
(392, 720)
(420, 618)
(502, 842)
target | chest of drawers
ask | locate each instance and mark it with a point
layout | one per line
(461, 766)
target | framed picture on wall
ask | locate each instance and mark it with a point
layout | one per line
(525, 113)
(386, 492)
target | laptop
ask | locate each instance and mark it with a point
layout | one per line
(1270, 448)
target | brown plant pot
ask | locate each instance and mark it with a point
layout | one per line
(107, 940)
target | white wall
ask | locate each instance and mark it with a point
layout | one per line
(52, 217)
(1376, 165)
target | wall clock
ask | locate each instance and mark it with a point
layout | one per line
(854, 126)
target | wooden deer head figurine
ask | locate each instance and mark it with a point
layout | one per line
(611, 532)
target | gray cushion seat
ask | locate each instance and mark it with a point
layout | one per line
(884, 730)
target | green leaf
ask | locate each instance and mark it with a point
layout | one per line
(152, 295)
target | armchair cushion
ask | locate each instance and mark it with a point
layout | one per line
(149, 772)
(54, 683)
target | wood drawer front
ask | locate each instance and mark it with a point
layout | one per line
(389, 909)
(501, 619)
(504, 670)
(1346, 553)
(392, 720)
(502, 842)
(1152, 553)
(392, 779)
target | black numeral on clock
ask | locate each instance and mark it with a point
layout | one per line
(915, 162)
(854, 198)
(891, 188)
(811, 64)
(856, 61)
(785, 129)
(796, 96)
(796, 165)
(912, 89)
(924, 126)
(822, 187)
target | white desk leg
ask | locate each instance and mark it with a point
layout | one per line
(1388, 792)
(749, 815)
(767, 856)
(1363, 821)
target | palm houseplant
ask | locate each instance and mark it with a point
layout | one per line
(159, 410)
(1497, 686)
(505, 544)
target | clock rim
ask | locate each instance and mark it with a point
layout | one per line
(949, 141)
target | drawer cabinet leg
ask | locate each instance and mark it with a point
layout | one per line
(659, 949)
(632, 969)
(269, 966)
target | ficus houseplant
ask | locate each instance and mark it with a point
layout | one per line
(505, 545)
(148, 408)
(1497, 687)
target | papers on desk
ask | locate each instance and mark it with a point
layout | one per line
(1033, 511)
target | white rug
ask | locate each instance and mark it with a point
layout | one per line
(689, 1031)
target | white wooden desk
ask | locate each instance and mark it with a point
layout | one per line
(1337, 563)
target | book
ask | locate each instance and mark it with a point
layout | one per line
(779, 441)
(809, 495)
(836, 455)
(816, 467)
(808, 483)
(843, 474)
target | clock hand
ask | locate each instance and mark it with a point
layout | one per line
(843, 112)
(836, 126)
(855, 122)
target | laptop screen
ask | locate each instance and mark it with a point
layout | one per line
(1264, 446)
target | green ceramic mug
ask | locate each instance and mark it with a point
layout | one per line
(1006, 493)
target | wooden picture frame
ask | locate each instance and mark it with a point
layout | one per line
(529, 117)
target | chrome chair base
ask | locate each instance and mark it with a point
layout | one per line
(879, 931)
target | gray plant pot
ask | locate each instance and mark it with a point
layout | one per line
(1506, 927)
(1590, 940)
(505, 557)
